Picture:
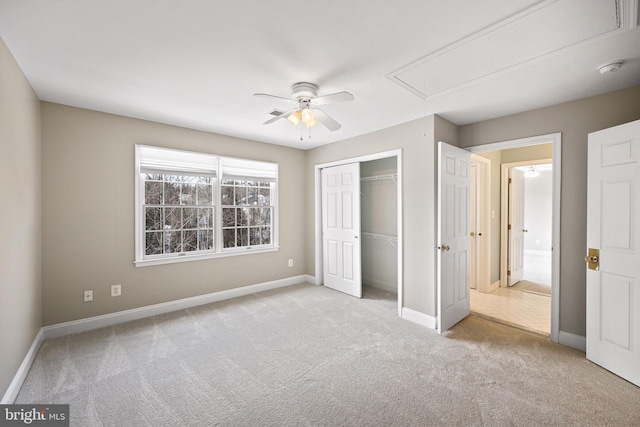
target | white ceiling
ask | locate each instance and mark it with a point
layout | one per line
(196, 63)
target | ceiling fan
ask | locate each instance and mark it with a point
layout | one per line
(305, 96)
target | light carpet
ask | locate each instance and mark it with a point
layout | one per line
(309, 356)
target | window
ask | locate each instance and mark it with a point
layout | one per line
(193, 206)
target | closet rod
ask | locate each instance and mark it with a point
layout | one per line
(391, 176)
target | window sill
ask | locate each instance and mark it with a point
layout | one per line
(187, 258)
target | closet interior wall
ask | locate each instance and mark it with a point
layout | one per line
(379, 223)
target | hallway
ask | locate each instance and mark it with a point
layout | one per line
(526, 305)
(524, 310)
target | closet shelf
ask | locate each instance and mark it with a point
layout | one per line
(393, 240)
(389, 176)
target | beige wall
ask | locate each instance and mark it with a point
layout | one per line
(20, 275)
(416, 139)
(88, 215)
(575, 120)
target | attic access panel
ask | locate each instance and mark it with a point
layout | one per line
(547, 27)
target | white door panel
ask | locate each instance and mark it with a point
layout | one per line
(453, 236)
(516, 224)
(613, 227)
(341, 228)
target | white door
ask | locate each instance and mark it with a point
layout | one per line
(473, 226)
(516, 226)
(452, 266)
(341, 228)
(613, 228)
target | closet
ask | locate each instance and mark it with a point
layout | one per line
(379, 207)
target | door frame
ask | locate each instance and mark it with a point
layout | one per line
(556, 139)
(319, 268)
(482, 190)
(505, 168)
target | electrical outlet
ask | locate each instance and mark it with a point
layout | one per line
(290, 263)
(88, 296)
(116, 290)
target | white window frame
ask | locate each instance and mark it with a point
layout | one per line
(188, 162)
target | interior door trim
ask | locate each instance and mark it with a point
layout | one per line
(556, 139)
(318, 214)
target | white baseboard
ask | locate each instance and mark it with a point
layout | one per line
(492, 287)
(571, 340)
(14, 388)
(419, 318)
(314, 280)
(96, 322)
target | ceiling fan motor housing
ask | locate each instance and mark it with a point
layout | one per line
(304, 91)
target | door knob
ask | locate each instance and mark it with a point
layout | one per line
(444, 248)
(473, 234)
(593, 259)
(525, 230)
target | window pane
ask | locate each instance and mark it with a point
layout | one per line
(189, 218)
(241, 218)
(172, 218)
(252, 196)
(172, 241)
(241, 196)
(153, 218)
(171, 193)
(228, 217)
(205, 218)
(190, 241)
(205, 240)
(252, 216)
(266, 215)
(188, 196)
(229, 238)
(266, 235)
(254, 236)
(153, 193)
(242, 237)
(265, 196)
(204, 194)
(152, 177)
(153, 243)
(227, 195)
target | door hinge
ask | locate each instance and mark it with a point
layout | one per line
(509, 227)
(510, 180)
(508, 272)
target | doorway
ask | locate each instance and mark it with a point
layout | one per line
(513, 302)
(381, 221)
(528, 245)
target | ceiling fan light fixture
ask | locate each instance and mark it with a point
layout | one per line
(308, 118)
(311, 123)
(531, 173)
(295, 118)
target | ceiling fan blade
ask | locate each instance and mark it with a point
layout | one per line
(333, 98)
(282, 115)
(324, 118)
(280, 98)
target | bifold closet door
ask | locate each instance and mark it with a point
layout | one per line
(341, 228)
